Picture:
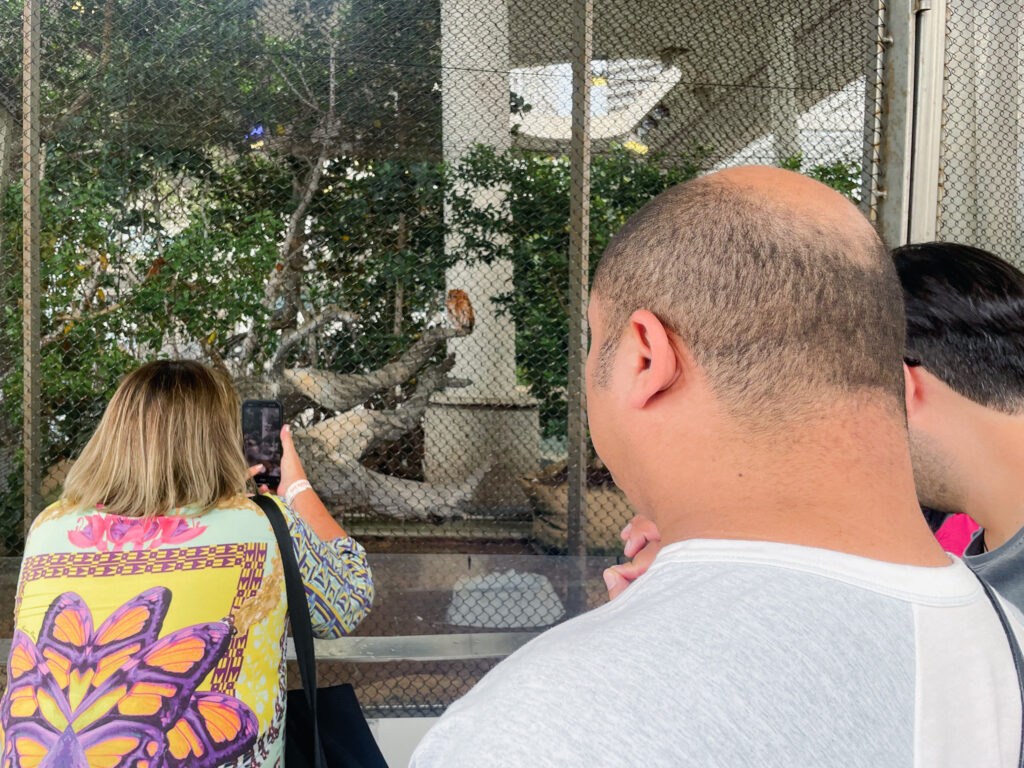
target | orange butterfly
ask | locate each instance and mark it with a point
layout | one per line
(118, 696)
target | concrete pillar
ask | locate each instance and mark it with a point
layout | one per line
(982, 163)
(490, 422)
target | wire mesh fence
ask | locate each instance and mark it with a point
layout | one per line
(981, 162)
(362, 209)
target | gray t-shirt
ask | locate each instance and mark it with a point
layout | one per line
(733, 653)
(1003, 567)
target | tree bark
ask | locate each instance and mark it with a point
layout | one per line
(342, 392)
(331, 449)
(358, 431)
(343, 481)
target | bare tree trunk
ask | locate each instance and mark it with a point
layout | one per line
(285, 280)
(399, 307)
(348, 484)
(342, 392)
(358, 431)
(401, 244)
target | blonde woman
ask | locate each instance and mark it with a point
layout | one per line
(150, 619)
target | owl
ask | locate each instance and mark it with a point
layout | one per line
(460, 311)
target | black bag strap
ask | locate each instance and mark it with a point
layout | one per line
(298, 614)
(1018, 658)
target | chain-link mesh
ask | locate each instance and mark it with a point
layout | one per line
(981, 202)
(362, 209)
(682, 88)
(11, 476)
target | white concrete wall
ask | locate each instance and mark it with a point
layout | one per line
(397, 737)
(981, 184)
(475, 109)
(490, 423)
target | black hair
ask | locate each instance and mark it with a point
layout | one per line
(965, 320)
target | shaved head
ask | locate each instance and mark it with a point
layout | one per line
(778, 286)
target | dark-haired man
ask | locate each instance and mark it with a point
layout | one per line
(965, 397)
(745, 389)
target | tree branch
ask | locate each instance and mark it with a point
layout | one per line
(344, 482)
(358, 431)
(76, 106)
(332, 81)
(289, 340)
(73, 319)
(341, 392)
(215, 358)
(305, 84)
(89, 291)
(85, 96)
(278, 278)
(292, 88)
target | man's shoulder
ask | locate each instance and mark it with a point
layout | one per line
(703, 623)
(687, 620)
(688, 649)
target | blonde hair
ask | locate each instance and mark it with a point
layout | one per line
(170, 437)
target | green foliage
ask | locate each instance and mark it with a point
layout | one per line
(180, 139)
(532, 231)
(844, 176)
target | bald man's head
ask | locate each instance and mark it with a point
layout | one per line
(777, 284)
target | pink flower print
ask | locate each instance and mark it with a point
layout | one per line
(123, 531)
(108, 532)
(176, 530)
(91, 533)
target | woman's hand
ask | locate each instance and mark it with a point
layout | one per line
(291, 465)
(307, 503)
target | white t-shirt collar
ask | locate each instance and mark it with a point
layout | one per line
(950, 584)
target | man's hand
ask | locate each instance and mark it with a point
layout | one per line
(642, 544)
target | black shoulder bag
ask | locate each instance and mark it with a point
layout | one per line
(1018, 657)
(323, 726)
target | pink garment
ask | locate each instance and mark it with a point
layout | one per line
(956, 533)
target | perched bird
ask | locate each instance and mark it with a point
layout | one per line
(155, 267)
(460, 311)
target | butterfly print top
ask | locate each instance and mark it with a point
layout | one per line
(159, 642)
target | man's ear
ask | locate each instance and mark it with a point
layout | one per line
(915, 387)
(656, 365)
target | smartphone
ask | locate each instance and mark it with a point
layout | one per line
(261, 439)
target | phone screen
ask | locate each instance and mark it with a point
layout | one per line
(261, 439)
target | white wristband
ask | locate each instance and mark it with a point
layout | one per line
(295, 489)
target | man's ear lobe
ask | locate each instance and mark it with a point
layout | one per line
(913, 383)
(656, 363)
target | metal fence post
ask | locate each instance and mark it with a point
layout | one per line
(897, 38)
(579, 280)
(929, 79)
(30, 163)
(911, 120)
(874, 103)
(909, 117)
